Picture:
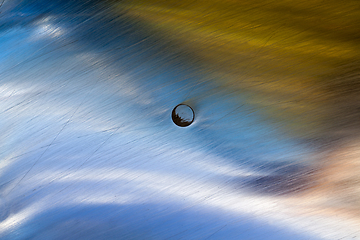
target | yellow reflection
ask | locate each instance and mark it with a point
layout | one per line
(283, 54)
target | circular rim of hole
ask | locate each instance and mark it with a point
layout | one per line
(177, 120)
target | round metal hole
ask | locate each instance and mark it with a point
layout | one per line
(183, 115)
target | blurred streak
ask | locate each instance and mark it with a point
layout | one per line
(283, 55)
(88, 149)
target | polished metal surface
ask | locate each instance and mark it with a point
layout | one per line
(89, 149)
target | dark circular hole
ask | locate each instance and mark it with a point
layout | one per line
(183, 115)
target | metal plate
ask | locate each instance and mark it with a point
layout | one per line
(89, 150)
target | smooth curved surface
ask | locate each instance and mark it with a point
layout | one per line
(88, 150)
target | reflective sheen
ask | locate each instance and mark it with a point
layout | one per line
(88, 149)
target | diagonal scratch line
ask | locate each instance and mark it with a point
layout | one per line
(101, 145)
(215, 232)
(34, 56)
(57, 135)
(62, 129)
(87, 159)
(229, 113)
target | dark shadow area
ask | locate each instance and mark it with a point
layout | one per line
(179, 120)
(284, 180)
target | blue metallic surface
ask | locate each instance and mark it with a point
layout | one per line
(89, 151)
